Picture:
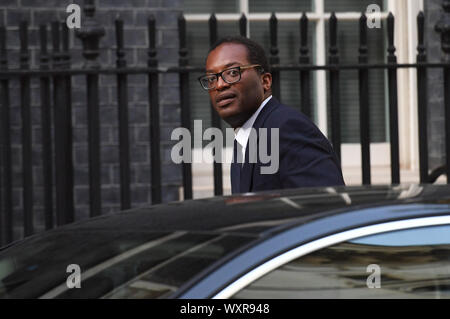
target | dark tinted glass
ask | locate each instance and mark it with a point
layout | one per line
(411, 264)
(208, 6)
(108, 260)
(167, 277)
(280, 5)
(348, 51)
(350, 5)
(288, 53)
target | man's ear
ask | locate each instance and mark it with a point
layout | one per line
(266, 80)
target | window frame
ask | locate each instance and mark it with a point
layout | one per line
(318, 16)
(310, 247)
(405, 12)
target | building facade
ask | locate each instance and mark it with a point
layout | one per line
(197, 13)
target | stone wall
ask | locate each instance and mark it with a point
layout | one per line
(135, 14)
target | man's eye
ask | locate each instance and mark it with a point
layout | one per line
(211, 79)
(233, 73)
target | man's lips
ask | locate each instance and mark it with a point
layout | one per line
(225, 99)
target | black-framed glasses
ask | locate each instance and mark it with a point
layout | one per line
(230, 76)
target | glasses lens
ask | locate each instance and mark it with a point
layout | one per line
(231, 75)
(208, 81)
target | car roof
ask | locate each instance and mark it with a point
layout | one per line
(248, 223)
(265, 212)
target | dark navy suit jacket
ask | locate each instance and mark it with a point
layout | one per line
(307, 158)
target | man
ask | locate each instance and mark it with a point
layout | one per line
(239, 85)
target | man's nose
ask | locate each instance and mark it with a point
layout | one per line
(221, 84)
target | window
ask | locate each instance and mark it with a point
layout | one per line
(288, 13)
(348, 13)
(134, 264)
(412, 263)
(197, 13)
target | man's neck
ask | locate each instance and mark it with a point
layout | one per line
(253, 117)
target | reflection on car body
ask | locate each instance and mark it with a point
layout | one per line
(305, 243)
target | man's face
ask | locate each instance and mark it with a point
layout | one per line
(235, 103)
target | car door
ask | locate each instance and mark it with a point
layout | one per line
(400, 259)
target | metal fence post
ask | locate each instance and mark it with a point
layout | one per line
(59, 104)
(46, 129)
(364, 105)
(122, 101)
(393, 105)
(422, 101)
(25, 94)
(5, 151)
(274, 59)
(333, 59)
(155, 136)
(305, 85)
(215, 119)
(184, 101)
(68, 139)
(443, 27)
(90, 35)
(243, 25)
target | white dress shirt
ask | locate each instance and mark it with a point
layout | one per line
(242, 133)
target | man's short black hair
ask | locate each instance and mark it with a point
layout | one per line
(255, 53)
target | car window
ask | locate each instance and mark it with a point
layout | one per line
(412, 263)
(112, 264)
(165, 278)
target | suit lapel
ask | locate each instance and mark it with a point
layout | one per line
(246, 174)
(247, 168)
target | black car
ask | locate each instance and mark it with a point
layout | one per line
(345, 242)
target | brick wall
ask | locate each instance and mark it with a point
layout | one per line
(436, 119)
(134, 13)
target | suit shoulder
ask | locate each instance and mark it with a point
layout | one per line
(283, 114)
(296, 127)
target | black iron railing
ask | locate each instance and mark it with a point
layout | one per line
(55, 74)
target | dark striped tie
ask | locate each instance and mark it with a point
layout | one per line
(235, 170)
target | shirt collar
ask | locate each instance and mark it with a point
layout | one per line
(242, 133)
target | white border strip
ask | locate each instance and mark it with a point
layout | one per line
(324, 242)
